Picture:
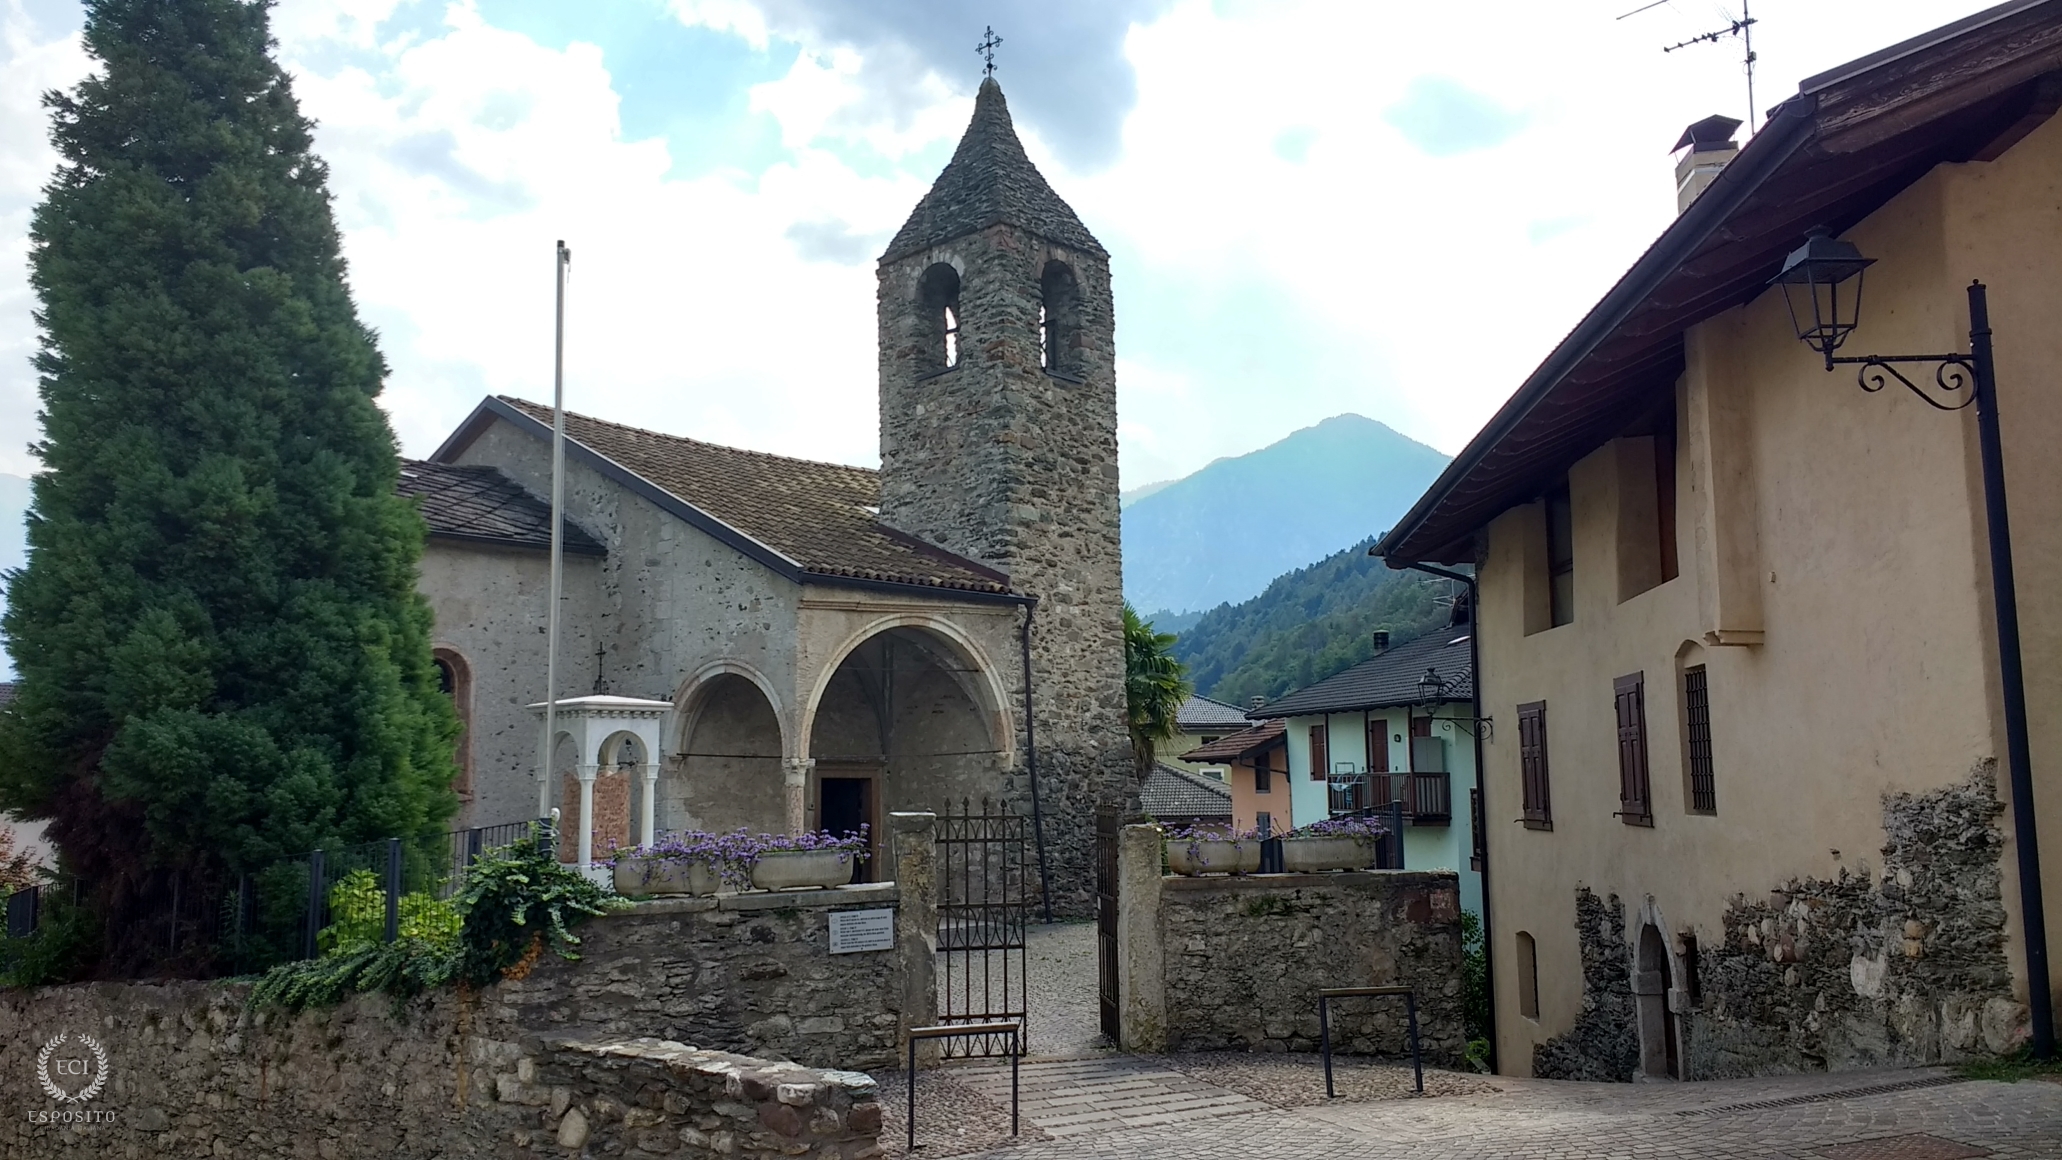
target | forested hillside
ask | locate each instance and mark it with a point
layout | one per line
(1309, 624)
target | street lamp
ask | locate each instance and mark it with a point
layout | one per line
(1812, 279)
(1431, 687)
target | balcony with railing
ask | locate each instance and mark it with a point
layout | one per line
(1427, 797)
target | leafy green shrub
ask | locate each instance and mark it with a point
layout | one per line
(67, 941)
(358, 916)
(516, 902)
(1474, 979)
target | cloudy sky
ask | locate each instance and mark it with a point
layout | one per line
(1387, 208)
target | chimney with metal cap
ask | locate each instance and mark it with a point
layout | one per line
(1254, 705)
(1706, 147)
(1381, 640)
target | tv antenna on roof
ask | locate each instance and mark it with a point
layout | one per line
(1742, 28)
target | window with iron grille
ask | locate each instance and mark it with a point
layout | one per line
(1532, 766)
(1320, 756)
(1635, 795)
(1697, 726)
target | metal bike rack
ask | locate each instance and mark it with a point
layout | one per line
(1011, 1028)
(1325, 996)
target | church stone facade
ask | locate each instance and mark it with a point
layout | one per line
(836, 643)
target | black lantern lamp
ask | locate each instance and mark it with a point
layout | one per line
(1814, 282)
(1819, 268)
(1431, 687)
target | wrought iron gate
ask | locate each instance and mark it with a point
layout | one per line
(985, 883)
(1106, 922)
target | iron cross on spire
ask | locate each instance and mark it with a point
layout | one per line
(986, 48)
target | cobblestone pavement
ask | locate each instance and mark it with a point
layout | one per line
(1902, 1115)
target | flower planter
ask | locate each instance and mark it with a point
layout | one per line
(787, 869)
(665, 876)
(1213, 856)
(1304, 855)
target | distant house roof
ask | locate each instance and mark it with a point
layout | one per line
(989, 181)
(1249, 740)
(805, 520)
(1386, 679)
(1850, 140)
(480, 504)
(1177, 795)
(1200, 714)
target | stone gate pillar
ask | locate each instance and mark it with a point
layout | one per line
(913, 838)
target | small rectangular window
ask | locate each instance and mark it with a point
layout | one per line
(1532, 766)
(1263, 822)
(1263, 777)
(1528, 976)
(1320, 757)
(1697, 727)
(1560, 539)
(1635, 796)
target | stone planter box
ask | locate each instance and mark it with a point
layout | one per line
(1304, 855)
(1213, 856)
(664, 876)
(787, 869)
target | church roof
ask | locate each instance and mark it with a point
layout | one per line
(989, 181)
(478, 503)
(806, 520)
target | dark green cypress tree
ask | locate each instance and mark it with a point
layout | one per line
(222, 656)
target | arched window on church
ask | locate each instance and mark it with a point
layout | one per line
(1059, 321)
(455, 680)
(939, 293)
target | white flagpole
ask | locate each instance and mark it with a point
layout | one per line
(562, 258)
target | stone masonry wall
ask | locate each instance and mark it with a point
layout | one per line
(1899, 968)
(192, 1074)
(751, 973)
(1234, 962)
(1604, 1044)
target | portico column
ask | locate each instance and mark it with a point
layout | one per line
(647, 827)
(586, 848)
(798, 793)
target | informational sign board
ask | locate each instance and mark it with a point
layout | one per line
(862, 930)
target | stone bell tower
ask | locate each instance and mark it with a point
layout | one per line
(999, 440)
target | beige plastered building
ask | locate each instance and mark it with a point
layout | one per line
(1708, 565)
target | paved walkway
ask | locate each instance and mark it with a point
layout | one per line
(1129, 1107)
(1078, 1097)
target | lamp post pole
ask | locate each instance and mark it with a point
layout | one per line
(2018, 752)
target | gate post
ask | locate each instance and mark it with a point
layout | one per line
(1141, 958)
(915, 837)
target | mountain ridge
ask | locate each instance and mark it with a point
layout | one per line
(1188, 545)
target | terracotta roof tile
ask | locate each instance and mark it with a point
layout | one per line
(1266, 735)
(819, 516)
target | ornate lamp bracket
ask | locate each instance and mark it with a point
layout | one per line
(1953, 375)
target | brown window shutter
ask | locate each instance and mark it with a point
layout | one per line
(1532, 765)
(1320, 752)
(1378, 745)
(1635, 797)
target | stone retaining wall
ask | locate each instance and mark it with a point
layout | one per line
(580, 1058)
(1235, 962)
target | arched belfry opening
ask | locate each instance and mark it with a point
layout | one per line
(1059, 321)
(728, 771)
(939, 334)
(907, 721)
